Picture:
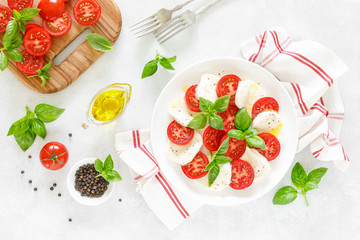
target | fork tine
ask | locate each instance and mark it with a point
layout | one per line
(172, 34)
(142, 21)
(147, 27)
(144, 26)
(153, 28)
(168, 26)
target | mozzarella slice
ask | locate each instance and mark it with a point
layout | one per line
(207, 87)
(267, 121)
(181, 113)
(259, 163)
(183, 154)
(223, 179)
(248, 92)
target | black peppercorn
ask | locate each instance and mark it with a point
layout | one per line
(35, 189)
(22, 171)
(30, 181)
(88, 184)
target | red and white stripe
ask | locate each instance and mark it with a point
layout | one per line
(338, 116)
(261, 47)
(299, 97)
(320, 108)
(317, 153)
(269, 58)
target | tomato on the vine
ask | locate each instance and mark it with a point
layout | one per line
(54, 155)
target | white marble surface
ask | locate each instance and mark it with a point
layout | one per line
(334, 210)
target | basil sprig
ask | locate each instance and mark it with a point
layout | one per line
(152, 66)
(43, 74)
(25, 15)
(217, 159)
(209, 110)
(243, 131)
(99, 42)
(106, 171)
(302, 181)
(26, 128)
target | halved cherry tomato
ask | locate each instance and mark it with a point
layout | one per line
(37, 41)
(212, 138)
(229, 117)
(59, 26)
(179, 134)
(30, 26)
(20, 5)
(31, 64)
(5, 17)
(264, 104)
(272, 144)
(54, 155)
(87, 12)
(236, 148)
(242, 174)
(191, 100)
(51, 9)
(196, 168)
(228, 85)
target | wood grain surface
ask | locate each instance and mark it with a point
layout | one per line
(61, 76)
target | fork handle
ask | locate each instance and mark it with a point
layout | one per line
(180, 6)
(203, 9)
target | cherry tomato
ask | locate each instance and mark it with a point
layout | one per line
(212, 138)
(30, 26)
(31, 64)
(229, 117)
(228, 85)
(87, 12)
(236, 148)
(51, 9)
(179, 134)
(272, 144)
(264, 104)
(191, 100)
(58, 27)
(20, 5)
(196, 168)
(54, 155)
(242, 174)
(37, 41)
(5, 17)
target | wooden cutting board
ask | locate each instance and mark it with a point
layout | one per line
(109, 25)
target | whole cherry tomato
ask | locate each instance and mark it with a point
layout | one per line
(54, 155)
(51, 9)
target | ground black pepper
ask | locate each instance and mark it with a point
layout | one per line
(87, 184)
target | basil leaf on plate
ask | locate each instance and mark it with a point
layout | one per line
(233, 133)
(25, 139)
(285, 195)
(108, 163)
(38, 127)
(224, 147)
(198, 122)
(99, 42)
(222, 159)
(216, 121)
(210, 165)
(222, 103)
(251, 131)
(48, 113)
(213, 174)
(205, 105)
(242, 120)
(150, 69)
(299, 176)
(256, 141)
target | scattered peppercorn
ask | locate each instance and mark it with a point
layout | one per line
(54, 185)
(51, 189)
(120, 199)
(30, 181)
(70, 134)
(87, 184)
(22, 171)
(59, 195)
(35, 189)
(29, 156)
(70, 220)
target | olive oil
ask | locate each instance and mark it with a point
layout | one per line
(108, 105)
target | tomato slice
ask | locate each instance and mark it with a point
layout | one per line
(242, 174)
(51, 9)
(272, 144)
(58, 27)
(196, 168)
(236, 148)
(87, 12)
(31, 64)
(229, 117)
(228, 85)
(5, 17)
(179, 134)
(30, 26)
(191, 100)
(212, 138)
(264, 104)
(37, 41)
(20, 5)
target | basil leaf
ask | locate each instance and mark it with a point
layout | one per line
(224, 147)
(113, 176)
(285, 195)
(15, 41)
(251, 131)
(25, 139)
(242, 120)
(316, 175)
(222, 103)
(310, 186)
(166, 64)
(29, 13)
(236, 134)
(172, 59)
(210, 165)
(38, 127)
(213, 174)
(98, 165)
(108, 164)
(12, 30)
(48, 113)
(150, 69)
(198, 122)
(205, 105)
(216, 121)
(256, 141)
(298, 176)
(16, 15)
(222, 159)
(15, 55)
(20, 126)
(22, 26)
(99, 42)
(4, 61)
(46, 67)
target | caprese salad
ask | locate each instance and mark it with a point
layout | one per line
(227, 129)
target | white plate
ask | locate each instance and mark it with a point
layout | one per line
(161, 119)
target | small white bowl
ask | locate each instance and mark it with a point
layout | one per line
(76, 194)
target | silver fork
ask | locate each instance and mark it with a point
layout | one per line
(155, 21)
(179, 23)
